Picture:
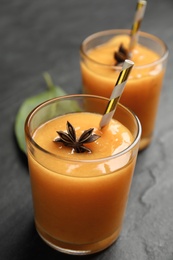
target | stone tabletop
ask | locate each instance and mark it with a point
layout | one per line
(39, 36)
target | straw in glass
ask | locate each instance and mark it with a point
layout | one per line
(139, 14)
(116, 93)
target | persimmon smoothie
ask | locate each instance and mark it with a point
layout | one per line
(100, 68)
(80, 197)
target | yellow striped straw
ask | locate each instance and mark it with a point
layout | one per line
(116, 93)
(139, 14)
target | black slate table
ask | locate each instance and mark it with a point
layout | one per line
(39, 36)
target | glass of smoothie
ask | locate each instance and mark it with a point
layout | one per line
(80, 174)
(101, 57)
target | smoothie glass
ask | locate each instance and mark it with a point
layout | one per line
(78, 206)
(143, 88)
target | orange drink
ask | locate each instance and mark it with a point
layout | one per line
(80, 198)
(100, 69)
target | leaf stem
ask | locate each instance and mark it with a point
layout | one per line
(48, 80)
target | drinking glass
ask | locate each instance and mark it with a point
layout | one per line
(143, 88)
(79, 204)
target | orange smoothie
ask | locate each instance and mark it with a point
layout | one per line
(80, 198)
(142, 90)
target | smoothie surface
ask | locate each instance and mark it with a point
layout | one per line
(114, 137)
(105, 53)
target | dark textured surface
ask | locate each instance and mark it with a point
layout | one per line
(38, 36)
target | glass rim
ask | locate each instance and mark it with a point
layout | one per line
(67, 97)
(125, 31)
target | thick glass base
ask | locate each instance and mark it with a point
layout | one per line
(75, 249)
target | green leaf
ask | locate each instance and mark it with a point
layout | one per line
(29, 104)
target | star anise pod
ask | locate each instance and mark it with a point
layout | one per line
(69, 138)
(121, 55)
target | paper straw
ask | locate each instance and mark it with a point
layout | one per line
(139, 14)
(116, 93)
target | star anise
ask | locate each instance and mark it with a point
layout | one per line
(121, 55)
(69, 138)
